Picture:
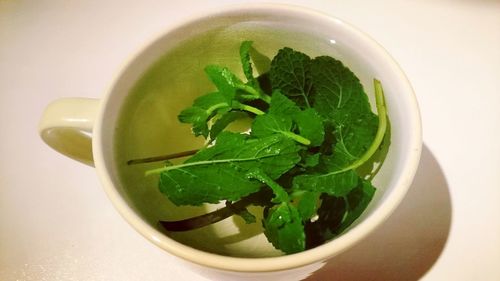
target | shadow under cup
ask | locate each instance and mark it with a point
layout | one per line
(139, 119)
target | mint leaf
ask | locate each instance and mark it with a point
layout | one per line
(338, 184)
(197, 185)
(330, 215)
(278, 120)
(203, 109)
(226, 99)
(283, 228)
(340, 99)
(308, 204)
(357, 140)
(246, 63)
(225, 81)
(231, 86)
(212, 101)
(226, 119)
(336, 214)
(311, 160)
(262, 62)
(231, 159)
(198, 117)
(291, 73)
(280, 194)
(339, 95)
(270, 124)
(282, 106)
(310, 126)
(357, 201)
(274, 154)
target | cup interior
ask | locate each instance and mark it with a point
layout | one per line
(139, 119)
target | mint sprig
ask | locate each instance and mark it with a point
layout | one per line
(312, 129)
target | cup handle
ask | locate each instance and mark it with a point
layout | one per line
(66, 126)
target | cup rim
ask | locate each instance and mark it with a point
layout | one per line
(267, 264)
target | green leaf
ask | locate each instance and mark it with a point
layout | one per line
(341, 100)
(197, 117)
(282, 106)
(212, 101)
(339, 94)
(311, 160)
(330, 215)
(246, 63)
(232, 87)
(280, 194)
(357, 201)
(336, 214)
(226, 119)
(203, 109)
(308, 204)
(274, 154)
(353, 149)
(278, 120)
(291, 73)
(262, 62)
(283, 228)
(197, 185)
(225, 81)
(231, 159)
(337, 184)
(310, 125)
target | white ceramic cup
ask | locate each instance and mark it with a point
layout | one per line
(84, 128)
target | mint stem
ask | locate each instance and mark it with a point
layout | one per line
(254, 92)
(162, 157)
(216, 106)
(205, 162)
(265, 98)
(297, 138)
(203, 220)
(215, 216)
(251, 109)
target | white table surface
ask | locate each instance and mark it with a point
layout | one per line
(56, 222)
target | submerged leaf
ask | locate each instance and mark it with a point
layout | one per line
(357, 201)
(336, 214)
(308, 204)
(283, 228)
